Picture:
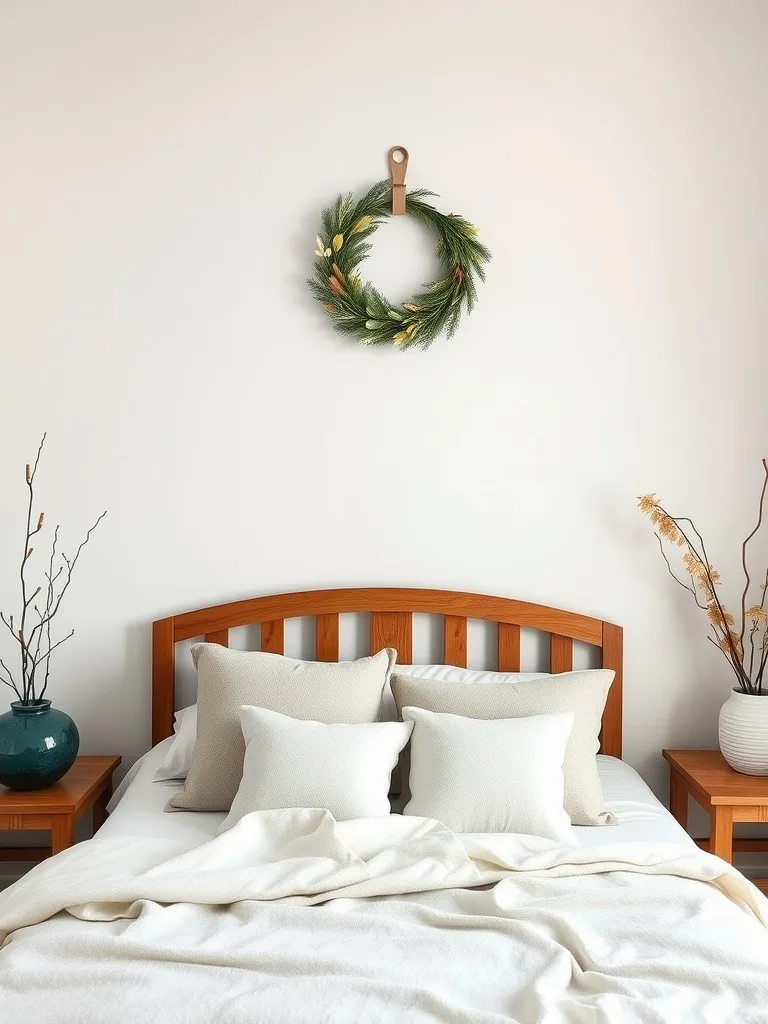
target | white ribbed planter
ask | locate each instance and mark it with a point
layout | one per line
(743, 732)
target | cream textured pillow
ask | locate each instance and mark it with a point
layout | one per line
(448, 674)
(342, 768)
(498, 775)
(346, 691)
(581, 693)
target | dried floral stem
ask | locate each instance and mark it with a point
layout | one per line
(728, 660)
(692, 589)
(755, 629)
(704, 581)
(752, 635)
(703, 558)
(744, 552)
(761, 670)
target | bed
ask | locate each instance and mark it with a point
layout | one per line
(293, 916)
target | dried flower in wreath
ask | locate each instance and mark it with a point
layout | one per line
(357, 309)
(31, 630)
(744, 643)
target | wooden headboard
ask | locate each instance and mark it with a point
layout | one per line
(391, 611)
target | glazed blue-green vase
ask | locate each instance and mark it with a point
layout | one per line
(38, 744)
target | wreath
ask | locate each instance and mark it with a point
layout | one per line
(360, 310)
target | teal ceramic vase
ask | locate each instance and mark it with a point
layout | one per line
(38, 744)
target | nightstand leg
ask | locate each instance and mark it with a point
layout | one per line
(721, 832)
(678, 798)
(62, 832)
(100, 808)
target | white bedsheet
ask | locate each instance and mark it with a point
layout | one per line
(291, 918)
(137, 808)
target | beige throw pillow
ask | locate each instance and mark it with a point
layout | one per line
(346, 691)
(582, 693)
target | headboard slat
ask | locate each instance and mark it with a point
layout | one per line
(218, 636)
(163, 678)
(560, 653)
(612, 656)
(455, 641)
(508, 657)
(327, 637)
(273, 636)
(393, 629)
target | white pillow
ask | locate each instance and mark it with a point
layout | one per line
(179, 756)
(490, 775)
(448, 674)
(292, 762)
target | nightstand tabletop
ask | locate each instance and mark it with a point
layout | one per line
(708, 772)
(69, 794)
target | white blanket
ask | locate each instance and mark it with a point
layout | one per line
(292, 917)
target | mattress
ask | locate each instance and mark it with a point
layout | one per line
(137, 808)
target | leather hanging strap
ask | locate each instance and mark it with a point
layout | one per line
(397, 169)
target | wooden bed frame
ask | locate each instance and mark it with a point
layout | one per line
(391, 612)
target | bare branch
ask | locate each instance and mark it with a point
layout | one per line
(51, 577)
(47, 657)
(9, 626)
(70, 563)
(12, 686)
(58, 643)
(35, 645)
(25, 601)
(10, 681)
(6, 669)
(31, 476)
(48, 661)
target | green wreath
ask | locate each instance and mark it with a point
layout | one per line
(357, 308)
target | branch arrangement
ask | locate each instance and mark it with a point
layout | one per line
(744, 643)
(31, 630)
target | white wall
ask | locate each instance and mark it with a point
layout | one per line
(164, 166)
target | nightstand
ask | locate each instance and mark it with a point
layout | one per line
(726, 795)
(87, 784)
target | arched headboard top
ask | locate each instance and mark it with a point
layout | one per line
(391, 610)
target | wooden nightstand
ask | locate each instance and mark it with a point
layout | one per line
(727, 796)
(87, 784)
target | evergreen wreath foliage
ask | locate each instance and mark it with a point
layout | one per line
(360, 310)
